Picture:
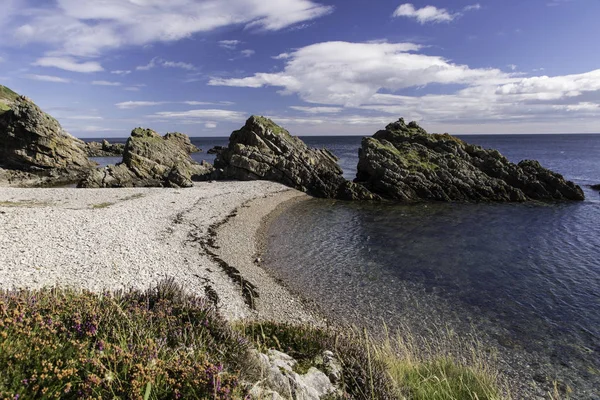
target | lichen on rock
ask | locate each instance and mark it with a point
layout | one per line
(405, 163)
(262, 150)
(150, 160)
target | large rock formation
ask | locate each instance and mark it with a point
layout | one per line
(149, 160)
(262, 150)
(104, 149)
(184, 142)
(34, 146)
(405, 163)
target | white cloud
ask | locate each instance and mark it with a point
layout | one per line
(206, 114)
(159, 62)
(87, 28)
(210, 125)
(248, 53)
(69, 64)
(106, 83)
(120, 72)
(343, 73)
(373, 77)
(128, 105)
(512, 67)
(229, 44)
(181, 65)
(431, 14)
(47, 78)
(317, 110)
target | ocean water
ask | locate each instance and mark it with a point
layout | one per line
(525, 277)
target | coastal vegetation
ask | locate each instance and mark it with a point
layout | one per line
(163, 343)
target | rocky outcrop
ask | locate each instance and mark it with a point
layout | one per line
(216, 150)
(34, 148)
(262, 150)
(149, 160)
(184, 142)
(31, 140)
(405, 163)
(281, 381)
(104, 149)
(595, 187)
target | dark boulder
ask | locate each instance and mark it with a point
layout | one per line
(405, 163)
(34, 148)
(216, 150)
(262, 150)
(150, 160)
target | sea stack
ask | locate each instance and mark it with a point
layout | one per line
(405, 163)
(262, 150)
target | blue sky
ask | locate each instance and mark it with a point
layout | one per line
(317, 67)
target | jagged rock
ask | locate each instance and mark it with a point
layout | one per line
(216, 150)
(104, 149)
(149, 160)
(404, 162)
(262, 150)
(184, 142)
(34, 147)
(32, 140)
(281, 381)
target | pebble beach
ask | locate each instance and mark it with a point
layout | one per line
(117, 239)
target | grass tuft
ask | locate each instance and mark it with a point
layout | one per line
(153, 345)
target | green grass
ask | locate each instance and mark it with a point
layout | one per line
(6, 93)
(165, 344)
(153, 345)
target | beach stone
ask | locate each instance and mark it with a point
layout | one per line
(405, 163)
(277, 369)
(150, 160)
(34, 147)
(262, 150)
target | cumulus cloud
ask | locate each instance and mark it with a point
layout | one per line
(69, 64)
(373, 77)
(120, 72)
(349, 74)
(106, 83)
(431, 14)
(247, 53)
(88, 27)
(47, 78)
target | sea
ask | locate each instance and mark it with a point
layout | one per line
(525, 278)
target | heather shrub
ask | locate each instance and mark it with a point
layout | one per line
(159, 344)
